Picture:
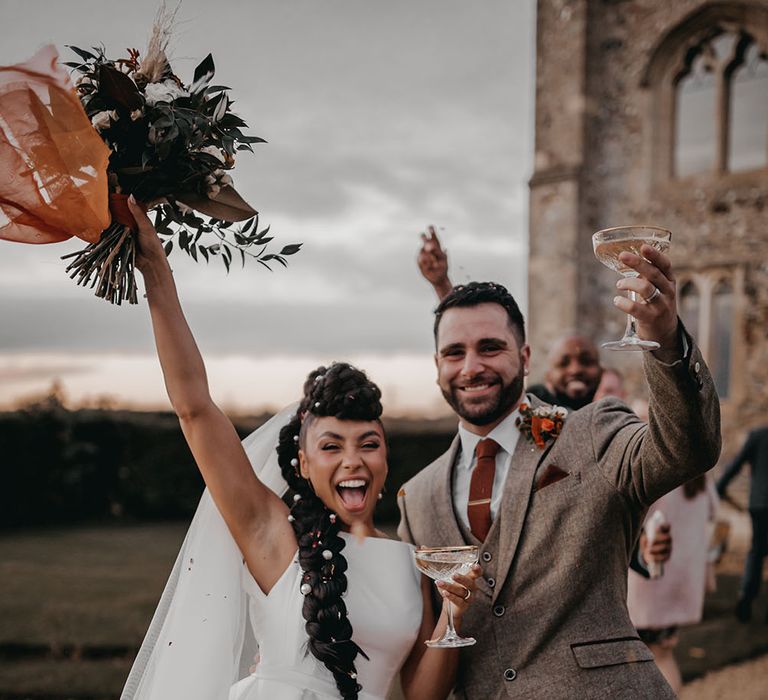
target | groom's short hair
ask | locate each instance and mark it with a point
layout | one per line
(476, 293)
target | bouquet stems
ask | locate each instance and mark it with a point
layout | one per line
(108, 265)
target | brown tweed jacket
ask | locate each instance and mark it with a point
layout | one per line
(550, 617)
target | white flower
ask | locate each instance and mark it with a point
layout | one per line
(166, 91)
(213, 151)
(103, 120)
(137, 114)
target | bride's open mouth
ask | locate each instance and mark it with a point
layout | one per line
(353, 494)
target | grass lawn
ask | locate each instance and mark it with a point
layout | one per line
(72, 593)
(75, 605)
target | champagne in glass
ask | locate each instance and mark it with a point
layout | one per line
(440, 564)
(608, 245)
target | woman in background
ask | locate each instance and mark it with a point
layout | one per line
(658, 606)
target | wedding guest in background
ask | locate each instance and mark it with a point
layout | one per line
(659, 606)
(573, 373)
(611, 384)
(754, 452)
(556, 503)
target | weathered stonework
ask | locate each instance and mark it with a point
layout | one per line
(604, 99)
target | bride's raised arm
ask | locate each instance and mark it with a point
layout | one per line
(256, 517)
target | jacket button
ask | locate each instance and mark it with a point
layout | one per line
(487, 556)
(697, 367)
(491, 582)
(499, 610)
(510, 674)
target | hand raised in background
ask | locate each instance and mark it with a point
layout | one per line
(433, 263)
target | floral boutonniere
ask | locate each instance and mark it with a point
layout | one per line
(540, 425)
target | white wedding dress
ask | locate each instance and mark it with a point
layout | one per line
(384, 605)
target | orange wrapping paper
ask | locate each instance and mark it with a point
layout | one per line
(53, 162)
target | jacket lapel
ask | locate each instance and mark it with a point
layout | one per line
(442, 500)
(517, 495)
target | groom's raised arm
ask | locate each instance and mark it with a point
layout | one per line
(681, 439)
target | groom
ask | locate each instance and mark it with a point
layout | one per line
(556, 509)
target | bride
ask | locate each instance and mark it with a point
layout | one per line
(331, 614)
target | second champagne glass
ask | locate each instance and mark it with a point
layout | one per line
(440, 564)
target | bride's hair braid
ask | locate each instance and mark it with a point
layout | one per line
(346, 393)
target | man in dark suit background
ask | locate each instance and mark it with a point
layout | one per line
(754, 452)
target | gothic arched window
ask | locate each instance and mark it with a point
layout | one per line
(695, 119)
(690, 308)
(721, 332)
(721, 109)
(709, 81)
(748, 112)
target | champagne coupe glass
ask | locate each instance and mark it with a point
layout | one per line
(440, 564)
(608, 244)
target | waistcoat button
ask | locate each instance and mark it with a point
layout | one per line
(499, 610)
(510, 674)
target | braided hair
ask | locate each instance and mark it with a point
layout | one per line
(346, 393)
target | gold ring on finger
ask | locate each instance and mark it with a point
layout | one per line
(656, 294)
(469, 593)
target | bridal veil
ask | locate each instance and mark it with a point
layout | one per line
(200, 639)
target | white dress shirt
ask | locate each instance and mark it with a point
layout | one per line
(506, 435)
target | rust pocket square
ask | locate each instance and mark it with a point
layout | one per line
(552, 474)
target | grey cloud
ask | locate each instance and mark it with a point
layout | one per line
(11, 375)
(343, 328)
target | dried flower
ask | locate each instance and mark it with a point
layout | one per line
(213, 151)
(103, 120)
(165, 91)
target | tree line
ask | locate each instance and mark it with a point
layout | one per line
(62, 466)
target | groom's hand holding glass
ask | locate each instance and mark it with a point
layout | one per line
(656, 307)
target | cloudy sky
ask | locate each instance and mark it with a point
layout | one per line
(381, 117)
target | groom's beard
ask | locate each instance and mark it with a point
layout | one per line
(492, 411)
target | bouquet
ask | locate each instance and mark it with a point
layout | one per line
(171, 145)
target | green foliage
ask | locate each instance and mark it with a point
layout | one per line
(185, 227)
(62, 467)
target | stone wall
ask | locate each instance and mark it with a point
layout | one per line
(602, 159)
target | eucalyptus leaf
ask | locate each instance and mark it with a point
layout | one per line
(119, 88)
(204, 71)
(85, 55)
(291, 249)
(228, 205)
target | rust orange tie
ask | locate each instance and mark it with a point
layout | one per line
(481, 488)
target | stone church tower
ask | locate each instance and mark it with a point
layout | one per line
(651, 111)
